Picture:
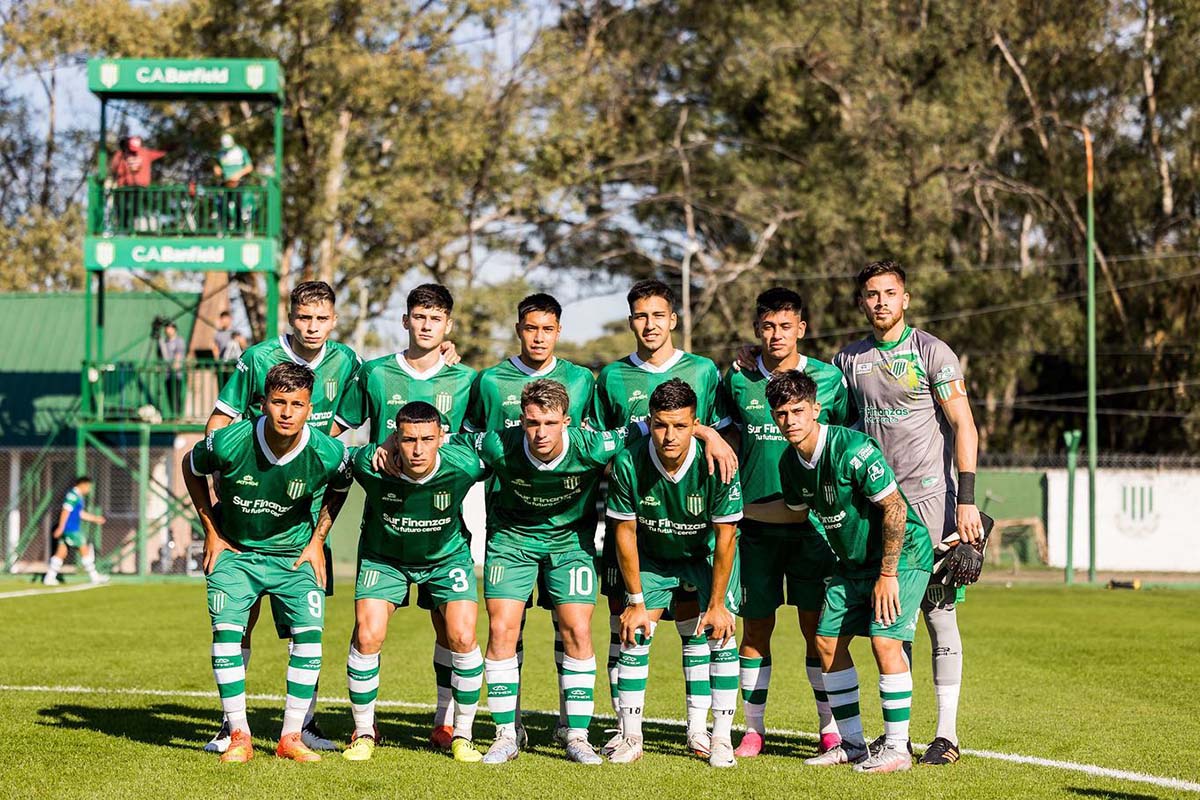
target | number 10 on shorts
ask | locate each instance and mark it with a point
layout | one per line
(582, 582)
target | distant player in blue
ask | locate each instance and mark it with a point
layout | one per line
(68, 533)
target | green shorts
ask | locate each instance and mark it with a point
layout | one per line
(848, 611)
(239, 579)
(450, 579)
(280, 613)
(662, 579)
(800, 563)
(76, 538)
(511, 574)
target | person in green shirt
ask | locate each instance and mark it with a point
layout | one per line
(412, 533)
(622, 398)
(422, 372)
(775, 558)
(496, 405)
(841, 479)
(263, 541)
(313, 317)
(676, 526)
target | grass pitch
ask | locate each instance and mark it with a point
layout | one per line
(1094, 678)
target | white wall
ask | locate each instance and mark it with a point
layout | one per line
(1146, 520)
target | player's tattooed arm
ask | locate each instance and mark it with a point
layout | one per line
(886, 597)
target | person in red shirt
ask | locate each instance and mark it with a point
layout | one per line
(131, 172)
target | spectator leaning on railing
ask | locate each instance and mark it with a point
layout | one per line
(131, 172)
(233, 165)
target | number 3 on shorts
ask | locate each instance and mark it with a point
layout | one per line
(459, 575)
(583, 582)
(315, 600)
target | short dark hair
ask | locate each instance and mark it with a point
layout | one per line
(431, 295)
(791, 386)
(539, 301)
(82, 479)
(778, 299)
(417, 412)
(288, 377)
(876, 268)
(673, 395)
(550, 395)
(651, 287)
(312, 293)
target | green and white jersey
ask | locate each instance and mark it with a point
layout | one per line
(496, 396)
(416, 523)
(548, 507)
(385, 384)
(233, 161)
(267, 502)
(675, 513)
(334, 366)
(840, 486)
(624, 387)
(899, 388)
(761, 442)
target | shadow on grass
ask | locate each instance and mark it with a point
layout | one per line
(185, 727)
(1110, 795)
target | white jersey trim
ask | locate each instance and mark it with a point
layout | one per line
(534, 373)
(648, 367)
(884, 492)
(727, 518)
(801, 507)
(621, 515)
(260, 429)
(548, 465)
(227, 409)
(816, 456)
(287, 348)
(683, 468)
(437, 465)
(411, 371)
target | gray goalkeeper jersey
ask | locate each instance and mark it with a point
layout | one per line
(899, 388)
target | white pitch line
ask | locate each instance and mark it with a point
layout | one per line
(39, 592)
(1014, 758)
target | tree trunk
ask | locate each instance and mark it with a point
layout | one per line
(327, 255)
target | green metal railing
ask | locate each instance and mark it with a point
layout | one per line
(153, 392)
(183, 210)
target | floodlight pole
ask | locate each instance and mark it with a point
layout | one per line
(1091, 358)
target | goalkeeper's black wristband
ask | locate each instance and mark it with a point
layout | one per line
(966, 488)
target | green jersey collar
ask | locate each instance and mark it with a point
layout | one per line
(907, 332)
(546, 466)
(534, 373)
(437, 465)
(411, 371)
(666, 366)
(683, 468)
(260, 433)
(816, 456)
(287, 348)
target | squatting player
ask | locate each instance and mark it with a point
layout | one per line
(313, 317)
(909, 387)
(412, 533)
(778, 557)
(378, 390)
(622, 398)
(69, 533)
(676, 525)
(264, 542)
(884, 558)
(496, 405)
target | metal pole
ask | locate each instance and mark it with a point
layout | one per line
(143, 562)
(1072, 440)
(1091, 359)
(102, 151)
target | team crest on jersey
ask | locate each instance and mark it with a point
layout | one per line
(571, 483)
(827, 491)
(295, 488)
(694, 504)
(331, 389)
(443, 402)
(441, 500)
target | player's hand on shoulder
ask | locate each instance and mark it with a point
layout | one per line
(450, 354)
(747, 357)
(721, 458)
(969, 523)
(384, 460)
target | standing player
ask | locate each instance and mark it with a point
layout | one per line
(313, 317)
(913, 399)
(496, 405)
(69, 533)
(412, 533)
(675, 526)
(884, 562)
(264, 542)
(378, 390)
(775, 557)
(622, 398)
